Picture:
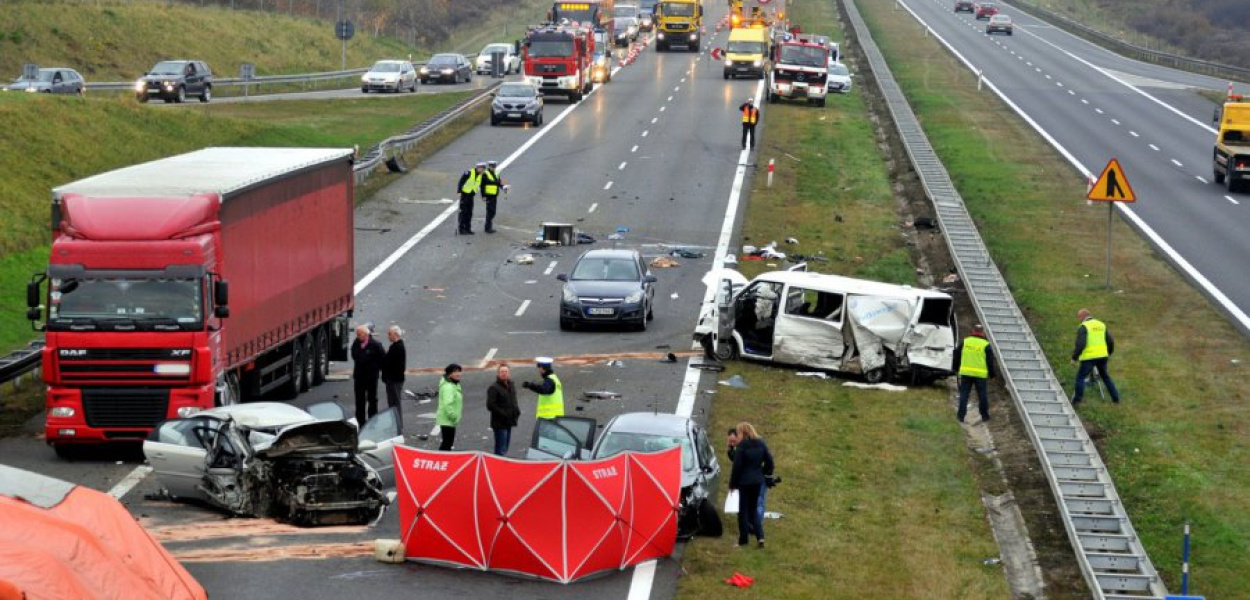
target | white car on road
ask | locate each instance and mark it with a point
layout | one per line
(839, 78)
(511, 60)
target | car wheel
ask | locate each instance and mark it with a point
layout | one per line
(207, 96)
(142, 99)
(566, 324)
(321, 357)
(494, 121)
(364, 90)
(641, 325)
(182, 95)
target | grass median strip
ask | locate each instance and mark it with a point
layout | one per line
(880, 493)
(1178, 447)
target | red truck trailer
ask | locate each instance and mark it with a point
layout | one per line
(193, 281)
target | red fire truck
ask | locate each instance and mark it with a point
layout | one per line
(193, 281)
(560, 60)
(800, 69)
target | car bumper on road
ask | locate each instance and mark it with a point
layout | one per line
(605, 314)
(380, 86)
(800, 90)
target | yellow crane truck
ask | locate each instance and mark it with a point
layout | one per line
(1232, 144)
(678, 23)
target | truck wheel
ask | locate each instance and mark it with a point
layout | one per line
(1219, 177)
(1230, 184)
(575, 97)
(726, 73)
(321, 357)
(695, 47)
(308, 365)
(290, 388)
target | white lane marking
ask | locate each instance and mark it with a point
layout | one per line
(1116, 121)
(683, 80)
(670, 99)
(486, 360)
(1134, 134)
(1126, 84)
(1030, 63)
(521, 311)
(1181, 263)
(641, 581)
(1038, 69)
(1230, 199)
(450, 210)
(531, 281)
(607, 186)
(662, 108)
(644, 134)
(1201, 178)
(1177, 162)
(1071, 92)
(130, 481)
(593, 207)
(1048, 77)
(1084, 101)
(1098, 110)
(634, 149)
(654, 119)
(622, 167)
(551, 267)
(1154, 147)
(1059, 83)
(675, 88)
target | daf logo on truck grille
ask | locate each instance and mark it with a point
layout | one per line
(73, 352)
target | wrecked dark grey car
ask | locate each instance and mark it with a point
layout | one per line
(270, 459)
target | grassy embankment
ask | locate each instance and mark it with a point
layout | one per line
(879, 494)
(1178, 447)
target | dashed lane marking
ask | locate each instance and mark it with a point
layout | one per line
(130, 481)
(593, 207)
(551, 267)
(486, 360)
(1200, 178)
(634, 149)
(1177, 162)
(1231, 199)
(520, 311)
(1154, 147)
(1134, 134)
(622, 167)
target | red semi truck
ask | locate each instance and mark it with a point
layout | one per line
(193, 281)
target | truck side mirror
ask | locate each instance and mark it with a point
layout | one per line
(221, 298)
(33, 299)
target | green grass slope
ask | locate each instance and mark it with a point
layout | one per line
(117, 42)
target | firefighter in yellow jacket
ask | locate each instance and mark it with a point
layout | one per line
(974, 361)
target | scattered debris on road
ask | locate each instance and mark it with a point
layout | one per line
(736, 382)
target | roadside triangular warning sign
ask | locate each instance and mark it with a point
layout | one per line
(1112, 185)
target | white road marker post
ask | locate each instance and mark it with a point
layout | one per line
(771, 167)
(980, 78)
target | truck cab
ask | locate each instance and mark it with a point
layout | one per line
(800, 70)
(558, 60)
(678, 23)
(1232, 144)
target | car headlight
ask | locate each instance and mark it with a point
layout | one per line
(570, 296)
(141, 85)
(31, 90)
(634, 297)
(62, 412)
(758, 63)
(729, 63)
(425, 70)
(694, 37)
(364, 78)
(187, 411)
(660, 35)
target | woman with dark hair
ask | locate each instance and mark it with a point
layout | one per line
(752, 463)
(450, 403)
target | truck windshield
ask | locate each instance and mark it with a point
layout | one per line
(551, 48)
(745, 48)
(677, 9)
(806, 56)
(147, 303)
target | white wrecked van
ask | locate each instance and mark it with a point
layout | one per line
(830, 322)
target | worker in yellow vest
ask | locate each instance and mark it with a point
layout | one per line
(470, 184)
(1094, 345)
(974, 361)
(492, 184)
(550, 391)
(750, 116)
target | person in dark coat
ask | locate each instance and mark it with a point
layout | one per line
(504, 410)
(470, 185)
(393, 366)
(752, 464)
(367, 353)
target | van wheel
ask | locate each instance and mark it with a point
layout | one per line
(875, 376)
(321, 357)
(726, 352)
(1219, 177)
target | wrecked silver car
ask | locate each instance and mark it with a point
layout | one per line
(270, 459)
(829, 322)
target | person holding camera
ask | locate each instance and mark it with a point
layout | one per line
(752, 468)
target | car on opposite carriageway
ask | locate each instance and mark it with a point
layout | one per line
(54, 80)
(174, 80)
(450, 68)
(389, 76)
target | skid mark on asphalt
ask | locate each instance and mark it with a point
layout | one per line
(249, 553)
(229, 528)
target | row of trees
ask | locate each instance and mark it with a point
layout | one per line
(1216, 30)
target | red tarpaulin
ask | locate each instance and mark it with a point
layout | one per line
(551, 519)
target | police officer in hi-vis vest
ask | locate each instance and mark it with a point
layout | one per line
(492, 183)
(550, 391)
(750, 116)
(470, 184)
(974, 361)
(1094, 345)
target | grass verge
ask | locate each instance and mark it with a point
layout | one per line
(1178, 447)
(879, 487)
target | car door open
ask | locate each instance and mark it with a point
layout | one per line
(177, 451)
(377, 444)
(563, 438)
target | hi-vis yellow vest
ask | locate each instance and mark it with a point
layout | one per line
(551, 405)
(1095, 340)
(750, 115)
(972, 362)
(490, 185)
(471, 184)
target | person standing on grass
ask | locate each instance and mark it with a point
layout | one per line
(504, 410)
(974, 361)
(393, 366)
(1094, 347)
(450, 404)
(752, 464)
(733, 439)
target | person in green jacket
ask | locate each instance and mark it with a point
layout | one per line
(450, 403)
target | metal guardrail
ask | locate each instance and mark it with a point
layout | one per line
(1176, 61)
(20, 361)
(375, 156)
(1110, 554)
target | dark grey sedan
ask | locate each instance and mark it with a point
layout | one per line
(608, 286)
(450, 68)
(55, 80)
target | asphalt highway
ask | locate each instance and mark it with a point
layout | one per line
(653, 155)
(1096, 105)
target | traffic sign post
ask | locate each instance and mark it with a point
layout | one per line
(30, 71)
(344, 30)
(1111, 187)
(246, 72)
